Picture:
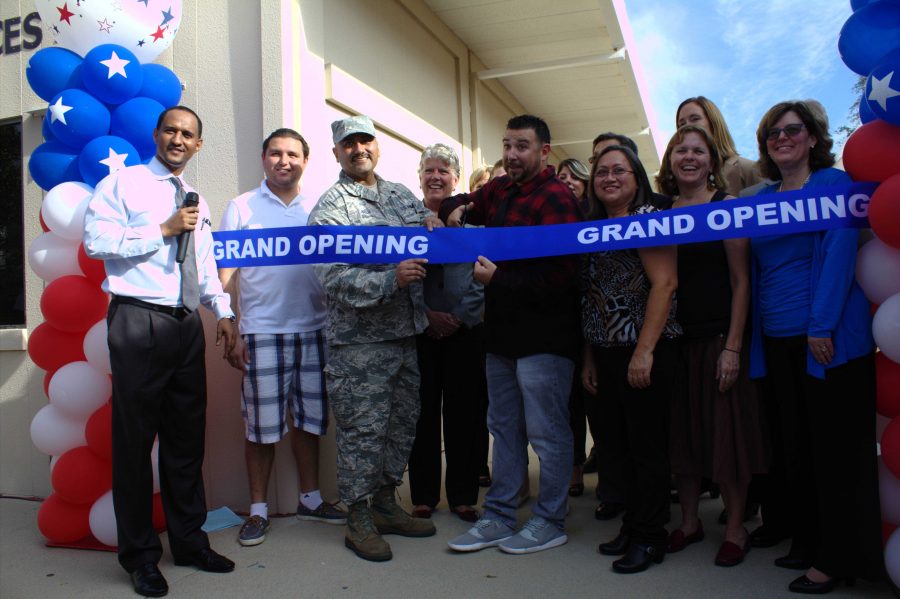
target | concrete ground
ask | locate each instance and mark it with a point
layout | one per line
(309, 560)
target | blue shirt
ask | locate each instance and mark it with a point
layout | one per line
(813, 275)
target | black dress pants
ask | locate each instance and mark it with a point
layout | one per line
(828, 443)
(159, 387)
(453, 386)
(634, 438)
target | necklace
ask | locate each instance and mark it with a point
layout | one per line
(802, 185)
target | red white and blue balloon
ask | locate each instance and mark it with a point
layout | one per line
(883, 88)
(145, 27)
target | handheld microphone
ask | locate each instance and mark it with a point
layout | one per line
(190, 200)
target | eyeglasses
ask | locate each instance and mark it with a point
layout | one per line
(617, 172)
(792, 130)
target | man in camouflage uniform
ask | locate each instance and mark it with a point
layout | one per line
(372, 376)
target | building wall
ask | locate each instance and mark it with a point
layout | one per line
(248, 68)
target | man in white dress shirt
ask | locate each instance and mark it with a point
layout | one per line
(281, 347)
(156, 346)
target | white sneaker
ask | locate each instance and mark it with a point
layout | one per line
(537, 534)
(485, 533)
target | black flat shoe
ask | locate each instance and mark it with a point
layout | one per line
(618, 546)
(639, 558)
(608, 510)
(149, 582)
(207, 560)
(794, 562)
(808, 587)
(766, 536)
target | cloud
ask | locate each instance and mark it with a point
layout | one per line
(743, 56)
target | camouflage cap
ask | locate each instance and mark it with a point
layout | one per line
(351, 125)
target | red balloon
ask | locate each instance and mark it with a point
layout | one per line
(872, 153)
(887, 379)
(73, 303)
(63, 522)
(890, 446)
(50, 348)
(884, 211)
(81, 477)
(887, 529)
(159, 516)
(98, 432)
(93, 269)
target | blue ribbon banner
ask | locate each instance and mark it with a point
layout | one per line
(802, 211)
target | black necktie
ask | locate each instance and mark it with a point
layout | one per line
(190, 282)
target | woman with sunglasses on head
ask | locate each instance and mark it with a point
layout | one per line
(715, 426)
(630, 356)
(737, 172)
(812, 339)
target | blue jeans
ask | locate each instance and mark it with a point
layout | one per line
(529, 403)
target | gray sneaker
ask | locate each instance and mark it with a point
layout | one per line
(253, 531)
(537, 534)
(485, 533)
(329, 513)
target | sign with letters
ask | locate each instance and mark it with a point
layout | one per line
(800, 211)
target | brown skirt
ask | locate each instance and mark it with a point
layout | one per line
(720, 436)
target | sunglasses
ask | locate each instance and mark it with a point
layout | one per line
(792, 130)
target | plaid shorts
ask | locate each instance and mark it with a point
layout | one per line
(284, 367)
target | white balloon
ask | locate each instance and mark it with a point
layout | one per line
(878, 270)
(889, 489)
(154, 463)
(96, 349)
(54, 433)
(886, 327)
(63, 209)
(892, 557)
(51, 256)
(103, 520)
(78, 389)
(146, 27)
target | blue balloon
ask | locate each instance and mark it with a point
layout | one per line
(45, 130)
(53, 163)
(105, 155)
(76, 117)
(112, 73)
(134, 121)
(52, 70)
(161, 84)
(857, 4)
(865, 113)
(869, 35)
(883, 89)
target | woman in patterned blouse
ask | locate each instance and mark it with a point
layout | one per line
(628, 322)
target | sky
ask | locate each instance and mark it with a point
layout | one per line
(744, 55)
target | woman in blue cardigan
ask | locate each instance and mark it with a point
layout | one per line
(812, 339)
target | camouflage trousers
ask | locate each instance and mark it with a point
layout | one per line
(373, 389)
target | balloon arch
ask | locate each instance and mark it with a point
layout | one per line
(104, 98)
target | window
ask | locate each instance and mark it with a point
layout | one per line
(12, 251)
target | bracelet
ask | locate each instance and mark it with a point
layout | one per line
(734, 351)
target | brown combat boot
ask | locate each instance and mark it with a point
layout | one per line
(391, 519)
(362, 538)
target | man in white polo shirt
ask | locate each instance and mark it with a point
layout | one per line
(281, 349)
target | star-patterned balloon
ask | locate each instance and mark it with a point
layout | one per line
(883, 89)
(76, 117)
(145, 27)
(112, 73)
(104, 156)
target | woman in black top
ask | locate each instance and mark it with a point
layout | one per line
(716, 425)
